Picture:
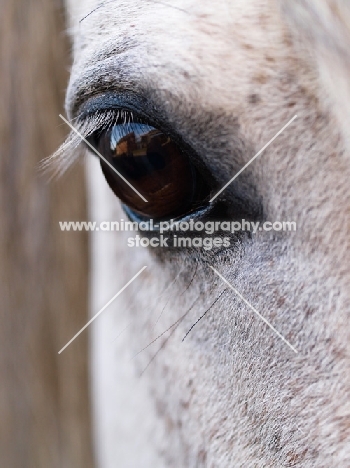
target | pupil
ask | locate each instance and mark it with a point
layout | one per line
(139, 154)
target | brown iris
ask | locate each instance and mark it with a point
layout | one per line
(154, 165)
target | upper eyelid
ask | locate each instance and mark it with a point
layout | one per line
(105, 101)
(125, 101)
(143, 109)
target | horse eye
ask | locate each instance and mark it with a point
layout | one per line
(155, 166)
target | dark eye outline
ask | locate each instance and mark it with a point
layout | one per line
(107, 108)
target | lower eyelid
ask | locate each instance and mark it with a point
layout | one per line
(197, 215)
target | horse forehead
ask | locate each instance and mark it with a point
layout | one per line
(225, 49)
(181, 32)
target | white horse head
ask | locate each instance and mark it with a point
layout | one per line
(262, 379)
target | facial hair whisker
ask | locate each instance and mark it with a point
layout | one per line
(169, 328)
(202, 316)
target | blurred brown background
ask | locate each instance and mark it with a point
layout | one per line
(44, 401)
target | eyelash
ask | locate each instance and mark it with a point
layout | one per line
(67, 155)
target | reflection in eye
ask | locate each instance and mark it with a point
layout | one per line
(155, 165)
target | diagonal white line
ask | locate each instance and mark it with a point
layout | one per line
(103, 308)
(104, 159)
(253, 309)
(253, 159)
